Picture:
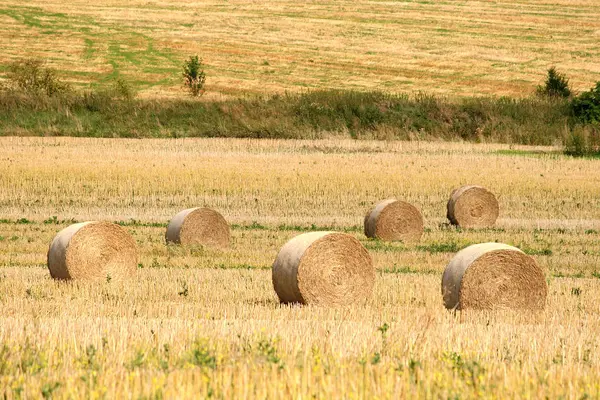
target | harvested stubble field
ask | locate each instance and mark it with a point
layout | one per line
(206, 323)
(445, 47)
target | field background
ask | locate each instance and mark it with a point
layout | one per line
(451, 47)
(202, 322)
(206, 323)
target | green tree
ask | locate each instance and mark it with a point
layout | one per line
(586, 106)
(556, 85)
(194, 76)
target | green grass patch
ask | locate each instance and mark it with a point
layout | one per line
(53, 220)
(90, 50)
(314, 227)
(395, 269)
(384, 247)
(242, 266)
(440, 247)
(297, 228)
(579, 274)
(254, 226)
(138, 223)
(535, 252)
(20, 221)
(528, 153)
(592, 156)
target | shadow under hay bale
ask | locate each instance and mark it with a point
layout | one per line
(472, 206)
(323, 268)
(93, 250)
(199, 226)
(392, 220)
(490, 276)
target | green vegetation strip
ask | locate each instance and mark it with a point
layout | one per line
(318, 114)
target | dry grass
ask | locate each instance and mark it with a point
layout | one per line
(206, 322)
(451, 47)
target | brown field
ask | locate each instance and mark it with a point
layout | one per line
(451, 47)
(206, 323)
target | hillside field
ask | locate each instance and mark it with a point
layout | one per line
(451, 47)
(199, 322)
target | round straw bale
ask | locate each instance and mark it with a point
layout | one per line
(202, 226)
(492, 276)
(92, 250)
(472, 207)
(393, 220)
(323, 268)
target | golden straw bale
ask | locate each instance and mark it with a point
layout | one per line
(199, 226)
(492, 276)
(92, 250)
(324, 268)
(393, 220)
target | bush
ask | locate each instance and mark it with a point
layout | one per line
(122, 89)
(338, 110)
(556, 85)
(193, 76)
(583, 141)
(33, 77)
(586, 106)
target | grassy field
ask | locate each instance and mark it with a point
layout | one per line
(450, 47)
(206, 323)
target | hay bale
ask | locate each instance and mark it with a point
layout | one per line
(472, 207)
(323, 268)
(393, 220)
(492, 276)
(202, 226)
(92, 250)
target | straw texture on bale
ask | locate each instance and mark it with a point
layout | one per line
(199, 226)
(472, 207)
(493, 276)
(393, 220)
(92, 250)
(323, 268)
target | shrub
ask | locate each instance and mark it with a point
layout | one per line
(556, 85)
(120, 88)
(193, 76)
(583, 141)
(338, 110)
(586, 106)
(118, 94)
(95, 101)
(33, 77)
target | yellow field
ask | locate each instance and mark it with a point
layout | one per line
(206, 323)
(450, 47)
